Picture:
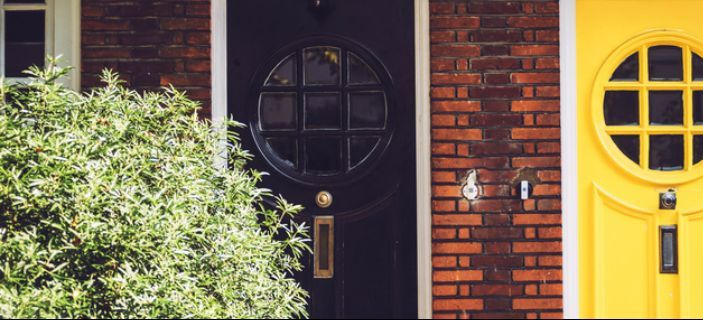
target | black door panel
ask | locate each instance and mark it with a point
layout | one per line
(328, 96)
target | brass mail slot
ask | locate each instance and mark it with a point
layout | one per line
(324, 247)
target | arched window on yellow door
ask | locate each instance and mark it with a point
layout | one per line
(648, 112)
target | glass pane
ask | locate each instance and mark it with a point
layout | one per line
(628, 70)
(621, 108)
(697, 149)
(278, 111)
(323, 155)
(665, 63)
(284, 74)
(321, 65)
(697, 63)
(323, 111)
(285, 149)
(666, 152)
(666, 107)
(360, 72)
(360, 148)
(629, 145)
(24, 41)
(698, 107)
(367, 110)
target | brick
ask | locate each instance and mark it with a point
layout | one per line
(550, 289)
(462, 163)
(495, 148)
(440, 22)
(455, 50)
(535, 105)
(534, 50)
(533, 22)
(547, 91)
(457, 304)
(442, 36)
(456, 219)
(495, 7)
(550, 233)
(444, 262)
(457, 275)
(456, 134)
(443, 234)
(494, 63)
(496, 261)
(478, 290)
(456, 248)
(497, 233)
(494, 92)
(547, 7)
(542, 275)
(535, 78)
(442, 8)
(536, 133)
(549, 261)
(521, 219)
(184, 52)
(445, 290)
(547, 35)
(105, 25)
(455, 78)
(537, 247)
(185, 80)
(548, 147)
(443, 92)
(537, 303)
(185, 24)
(536, 162)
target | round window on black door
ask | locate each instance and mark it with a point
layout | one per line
(321, 112)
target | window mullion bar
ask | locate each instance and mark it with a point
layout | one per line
(644, 102)
(688, 151)
(688, 108)
(687, 74)
(644, 151)
(644, 67)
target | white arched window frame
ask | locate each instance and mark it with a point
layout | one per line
(61, 34)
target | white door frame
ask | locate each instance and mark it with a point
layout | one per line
(569, 158)
(422, 127)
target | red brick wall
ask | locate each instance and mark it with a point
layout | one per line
(150, 43)
(495, 108)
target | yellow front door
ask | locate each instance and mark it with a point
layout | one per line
(640, 142)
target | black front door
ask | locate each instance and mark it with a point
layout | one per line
(327, 91)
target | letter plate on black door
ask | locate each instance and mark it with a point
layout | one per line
(324, 247)
(668, 244)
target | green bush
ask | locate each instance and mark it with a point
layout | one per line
(111, 206)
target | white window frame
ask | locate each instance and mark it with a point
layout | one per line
(62, 35)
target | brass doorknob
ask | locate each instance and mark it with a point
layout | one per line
(323, 199)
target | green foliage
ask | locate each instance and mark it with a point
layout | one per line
(111, 206)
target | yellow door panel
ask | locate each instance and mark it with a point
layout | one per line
(629, 286)
(640, 127)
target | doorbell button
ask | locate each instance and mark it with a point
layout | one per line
(525, 190)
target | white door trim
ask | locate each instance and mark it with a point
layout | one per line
(569, 158)
(423, 159)
(422, 126)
